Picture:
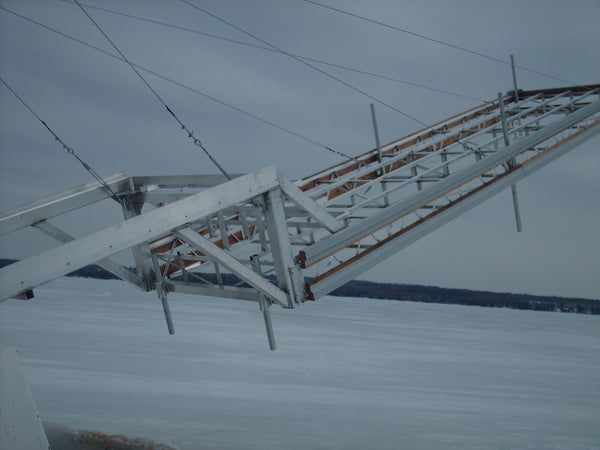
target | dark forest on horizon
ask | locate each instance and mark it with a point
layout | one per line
(412, 292)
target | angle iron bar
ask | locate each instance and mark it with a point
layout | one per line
(335, 242)
(230, 292)
(107, 264)
(183, 181)
(383, 251)
(574, 89)
(303, 201)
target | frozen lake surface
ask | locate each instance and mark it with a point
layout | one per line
(348, 374)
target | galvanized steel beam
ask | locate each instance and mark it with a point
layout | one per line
(107, 264)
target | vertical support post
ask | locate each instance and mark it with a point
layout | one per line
(503, 119)
(379, 155)
(514, 74)
(258, 212)
(264, 306)
(223, 231)
(162, 294)
(511, 163)
(141, 252)
(289, 276)
(445, 159)
(413, 170)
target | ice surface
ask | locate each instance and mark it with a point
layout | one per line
(349, 373)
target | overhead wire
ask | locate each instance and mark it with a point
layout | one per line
(68, 149)
(327, 74)
(177, 83)
(426, 125)
(190, 134)
(269, 49)
(439, 41)
(276, 49)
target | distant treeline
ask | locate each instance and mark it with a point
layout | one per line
(433, 294)
(412, 292)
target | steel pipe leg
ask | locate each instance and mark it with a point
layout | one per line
(513, 188)
(264, 306)
(167, 310)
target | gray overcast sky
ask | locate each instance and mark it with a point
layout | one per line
(98, 106)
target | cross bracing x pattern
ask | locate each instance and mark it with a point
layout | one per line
(261, 237)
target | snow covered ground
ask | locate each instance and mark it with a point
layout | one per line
(349, 373)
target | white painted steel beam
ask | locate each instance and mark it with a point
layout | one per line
(231, 292)
(107, 264)
(289, 277)
(37, 270)
(320, 214)
(179, 181)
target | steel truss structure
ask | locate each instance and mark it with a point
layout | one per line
(263, 238)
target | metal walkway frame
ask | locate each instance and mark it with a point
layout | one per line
(271, 233)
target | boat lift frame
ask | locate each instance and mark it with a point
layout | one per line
(264, 238)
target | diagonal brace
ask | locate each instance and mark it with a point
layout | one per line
(226, 260)
(303, 201)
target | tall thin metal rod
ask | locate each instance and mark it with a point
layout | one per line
(511, 162)
(376, 131)
(514, 75)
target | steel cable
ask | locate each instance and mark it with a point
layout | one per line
(439, 41)
(177, 83)
(269, 49)
(68, 149)
(464, 144)
(190, 134)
